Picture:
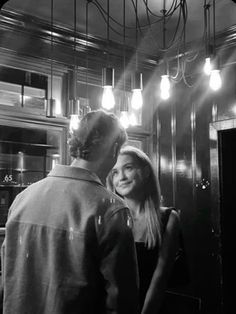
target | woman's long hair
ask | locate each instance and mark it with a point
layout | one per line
(152, 196)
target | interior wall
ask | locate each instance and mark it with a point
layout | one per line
(185, 174)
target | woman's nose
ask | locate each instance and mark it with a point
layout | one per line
(122, 175)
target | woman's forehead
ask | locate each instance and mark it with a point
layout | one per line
(125, 157)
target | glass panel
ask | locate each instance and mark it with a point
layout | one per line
(10, 94)
(34, 97)
(27, 154)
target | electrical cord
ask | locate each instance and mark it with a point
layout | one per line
(177, 40)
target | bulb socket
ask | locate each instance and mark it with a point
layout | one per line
(74, 106)
(51, 108)
(108, 77)
(215, 63)
(137, 80)
(124, 104)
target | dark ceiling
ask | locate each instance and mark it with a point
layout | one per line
(150, 36)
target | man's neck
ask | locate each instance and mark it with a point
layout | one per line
(91, 166)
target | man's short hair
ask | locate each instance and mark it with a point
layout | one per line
(97, 129)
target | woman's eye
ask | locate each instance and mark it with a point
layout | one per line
(114, 173)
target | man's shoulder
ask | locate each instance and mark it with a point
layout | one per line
(111, 200)
(108, 203)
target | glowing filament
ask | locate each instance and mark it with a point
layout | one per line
(124, 119)
(108, 100)
(133, 119)
(215, 80)
(137, 99)
(74, 122)
(165, 87)
(207, 66)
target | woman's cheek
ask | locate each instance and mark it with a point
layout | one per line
(114, 181)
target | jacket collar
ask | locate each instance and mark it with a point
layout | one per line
(74, 173)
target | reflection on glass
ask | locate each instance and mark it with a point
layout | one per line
(10, 94)
(34, 97)
(26, 156)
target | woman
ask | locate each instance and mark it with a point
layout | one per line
(156, 229)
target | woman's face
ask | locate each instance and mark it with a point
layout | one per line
(127, 176)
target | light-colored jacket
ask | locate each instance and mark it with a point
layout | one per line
(69, 248)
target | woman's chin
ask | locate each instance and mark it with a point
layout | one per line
(124, 192)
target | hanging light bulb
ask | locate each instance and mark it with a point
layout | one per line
(165, 87)
(124, 111)
(215, 80)
(165, 94)
(137, 77)
(133, 119)
(74, 122)
(137, 86)
(209, 49)
(108, 99)
(136, 99)
(51, 102)
(74, 106)
(165, 82)
(124, 119)
(207, 66)
(74, 102)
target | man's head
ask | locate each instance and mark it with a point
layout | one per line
(98, 138)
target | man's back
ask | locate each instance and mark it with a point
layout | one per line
(69, 248)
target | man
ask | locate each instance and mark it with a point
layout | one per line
(69, 246)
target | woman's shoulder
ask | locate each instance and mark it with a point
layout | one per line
(167, 211)
(169, 215)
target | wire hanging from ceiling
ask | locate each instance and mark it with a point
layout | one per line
(50, 102)
(177, 10)
(74, 104)
(136, 78)
(108, 76)
(124, 107)
(148, 25)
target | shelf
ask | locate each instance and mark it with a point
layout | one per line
(14, 185)
(24, 170)
(2, 231)
(29, 144)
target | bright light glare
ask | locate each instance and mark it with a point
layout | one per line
(74, 122)
(133, 119)
(124, 119)
(165, 94)
(165, 87)
(207, 66)
(108, 100)
(137, 99)
(215, 80)
(55, 160)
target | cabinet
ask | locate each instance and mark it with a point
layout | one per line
(28, 151)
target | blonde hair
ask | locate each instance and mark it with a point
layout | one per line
(152, 196)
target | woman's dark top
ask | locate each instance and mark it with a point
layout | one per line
(147, 260)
